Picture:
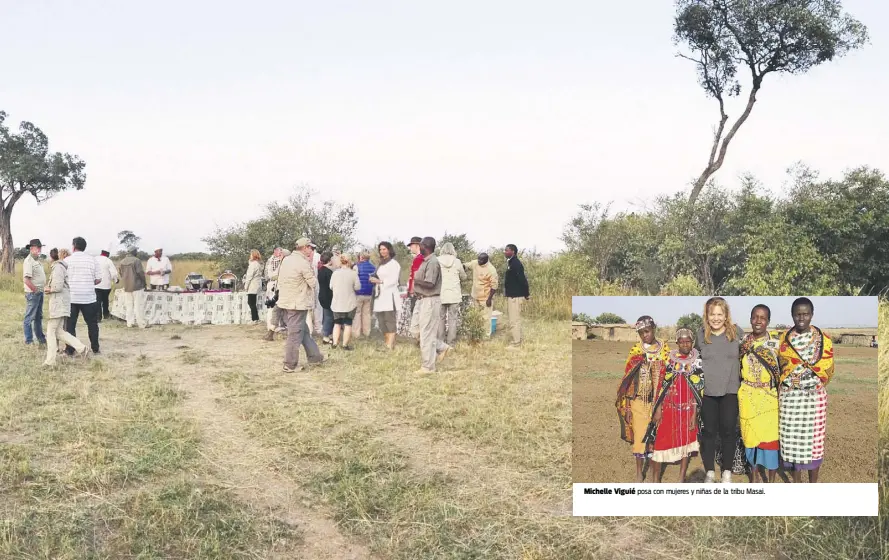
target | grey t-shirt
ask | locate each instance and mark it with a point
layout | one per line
(721, 362)
(429, 271)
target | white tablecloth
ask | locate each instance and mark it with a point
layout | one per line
(193, 308)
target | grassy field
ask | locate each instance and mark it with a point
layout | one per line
(191, 443)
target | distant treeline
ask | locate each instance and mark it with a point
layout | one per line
(817, 238)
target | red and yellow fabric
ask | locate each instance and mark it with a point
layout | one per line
(793, 365)
(634, 403)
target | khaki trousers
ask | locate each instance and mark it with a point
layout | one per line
(363, 315)
(429, 317)
(488, 313)
(415, 320)
(448, 333)
(135, 305)
(55, 331)
(514, 313)
(298, 334)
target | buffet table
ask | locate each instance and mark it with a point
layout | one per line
(213, 307)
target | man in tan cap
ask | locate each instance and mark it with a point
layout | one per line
(296, 299)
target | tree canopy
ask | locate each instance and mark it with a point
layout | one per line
(758, 37)
(328, 224)
(608, 319)
(819, 238)
(27, 167)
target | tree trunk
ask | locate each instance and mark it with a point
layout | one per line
(717, 151)
(7, 255)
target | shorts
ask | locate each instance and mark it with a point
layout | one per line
(387, 321)
(343, 318)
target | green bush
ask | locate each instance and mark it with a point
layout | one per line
(473, 328)
(608, 318)
(691, 321)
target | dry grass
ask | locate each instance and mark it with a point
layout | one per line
(170, 445)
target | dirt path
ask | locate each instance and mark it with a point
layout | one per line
(237, 462)
(427, 452)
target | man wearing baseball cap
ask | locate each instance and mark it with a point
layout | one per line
(296, 299)
(34, 276)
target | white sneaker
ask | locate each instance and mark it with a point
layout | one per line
(711, 477)
(726, 477)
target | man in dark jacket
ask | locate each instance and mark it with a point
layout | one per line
(133, 276)
(515, 288)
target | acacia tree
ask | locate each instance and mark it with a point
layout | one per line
(761, 37)
(326, 223)
(128, 239)
(28, 168)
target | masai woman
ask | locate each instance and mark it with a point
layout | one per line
(643, 372)
(806, 361)
(718, 342)
(758, 395)
(677, 406)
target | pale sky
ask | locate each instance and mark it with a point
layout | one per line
(830, 311)
(495, 119)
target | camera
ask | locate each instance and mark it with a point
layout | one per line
(272, 301)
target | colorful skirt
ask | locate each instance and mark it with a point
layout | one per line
(767, 458)
(641, 413)
(802, 424)
(677, 434)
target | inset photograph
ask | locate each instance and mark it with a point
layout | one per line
(724, 390)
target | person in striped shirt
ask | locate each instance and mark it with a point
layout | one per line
(83, 277)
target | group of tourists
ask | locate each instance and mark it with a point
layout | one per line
(673, 403)
(333, 296)
(78, 285)
(308, 293)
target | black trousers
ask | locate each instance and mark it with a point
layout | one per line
(90, 312)
(251, 301)
(720, 416)
(102, 300)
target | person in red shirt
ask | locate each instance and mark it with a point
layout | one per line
(414, 246)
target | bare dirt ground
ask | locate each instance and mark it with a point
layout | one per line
(599, 455)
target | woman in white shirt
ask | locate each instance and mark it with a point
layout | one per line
(386, 297)
(253, 283)
(343, 283)
(59, 309)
